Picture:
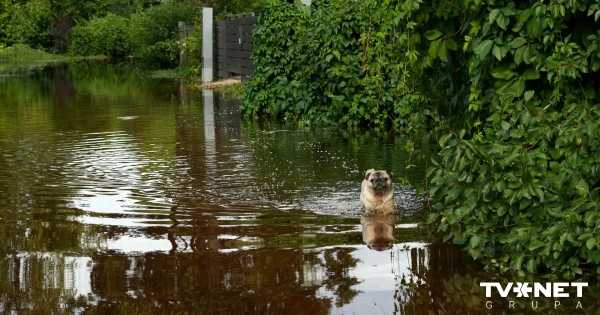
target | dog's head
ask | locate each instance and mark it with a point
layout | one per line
(379, 182)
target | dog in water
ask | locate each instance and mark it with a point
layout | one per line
(377, 192)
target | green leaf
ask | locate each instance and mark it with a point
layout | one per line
(433, 35)
(483, 49)
(590, 243)
(443, 52)
(444, 140)
(502, 21)
(531, 265)
(515, 87)
(520, 55)
(582, 188)
(434, 49)
(493, 15)
(499, 51)
(517, 42)
(535, 244)
(475, 241)
(451, 44)
(531, 74)
(529, 95)
(502, 72)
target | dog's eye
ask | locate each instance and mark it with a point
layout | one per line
(372, 180)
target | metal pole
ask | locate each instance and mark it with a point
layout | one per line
(207, 45)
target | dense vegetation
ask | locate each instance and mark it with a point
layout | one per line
(144, 29)
(150, 35)
(344, 61)
(518, 185)
(520, 188)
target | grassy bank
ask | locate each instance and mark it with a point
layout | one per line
(22, 58)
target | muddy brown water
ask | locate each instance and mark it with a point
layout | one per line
(123, 194)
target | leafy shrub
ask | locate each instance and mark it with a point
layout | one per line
(25, 23)
(224, 8)
(102, 36)
(149, 35)
(191, 46)
(277, 60)
(162, 54)
(520, 189)
(153, 32)
(524, 194)
(349, 62)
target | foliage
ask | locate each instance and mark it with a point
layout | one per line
(231, 93)
(518, 187)
(191, 46)
(524, 194)
(149, 35)
(102, 36)
(227, 7)
(48, 23)
(339, 63)
(25, 23)
(153, 32)
(145, 29)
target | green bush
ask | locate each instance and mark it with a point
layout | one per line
(520, 189)
(163, 54)
(524, 194)
(348, 62)
(153, 33)
(102, 36)
(25, 23)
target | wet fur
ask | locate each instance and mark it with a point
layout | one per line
(377, 202)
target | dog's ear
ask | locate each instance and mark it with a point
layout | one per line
(368, 172)
(391, 175)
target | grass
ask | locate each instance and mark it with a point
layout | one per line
(231, 92)
(183, 73)
(189, 75)
(22, 58)
(176, 73)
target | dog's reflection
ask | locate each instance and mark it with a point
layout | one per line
(378, 231)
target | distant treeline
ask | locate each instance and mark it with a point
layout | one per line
(145, 29)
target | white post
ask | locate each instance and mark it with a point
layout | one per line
(207, 45)
(210, 139)
(209, 118)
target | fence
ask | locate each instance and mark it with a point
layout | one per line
(234, 46)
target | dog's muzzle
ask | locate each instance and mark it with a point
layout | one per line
(379, 184)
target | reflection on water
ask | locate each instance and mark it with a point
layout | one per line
(378, 231)
(130, 195)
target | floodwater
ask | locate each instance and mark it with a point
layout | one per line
(124, 194)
